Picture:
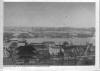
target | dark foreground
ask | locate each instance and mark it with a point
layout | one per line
(53, 61)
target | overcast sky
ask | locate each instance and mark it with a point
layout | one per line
(43, 14)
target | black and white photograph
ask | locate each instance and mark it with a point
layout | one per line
(49, 34)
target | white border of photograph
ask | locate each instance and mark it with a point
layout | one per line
(1, 35)
(57, 68)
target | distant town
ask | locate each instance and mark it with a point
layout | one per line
(49, 46)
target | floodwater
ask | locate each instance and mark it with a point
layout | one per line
(75, 41)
